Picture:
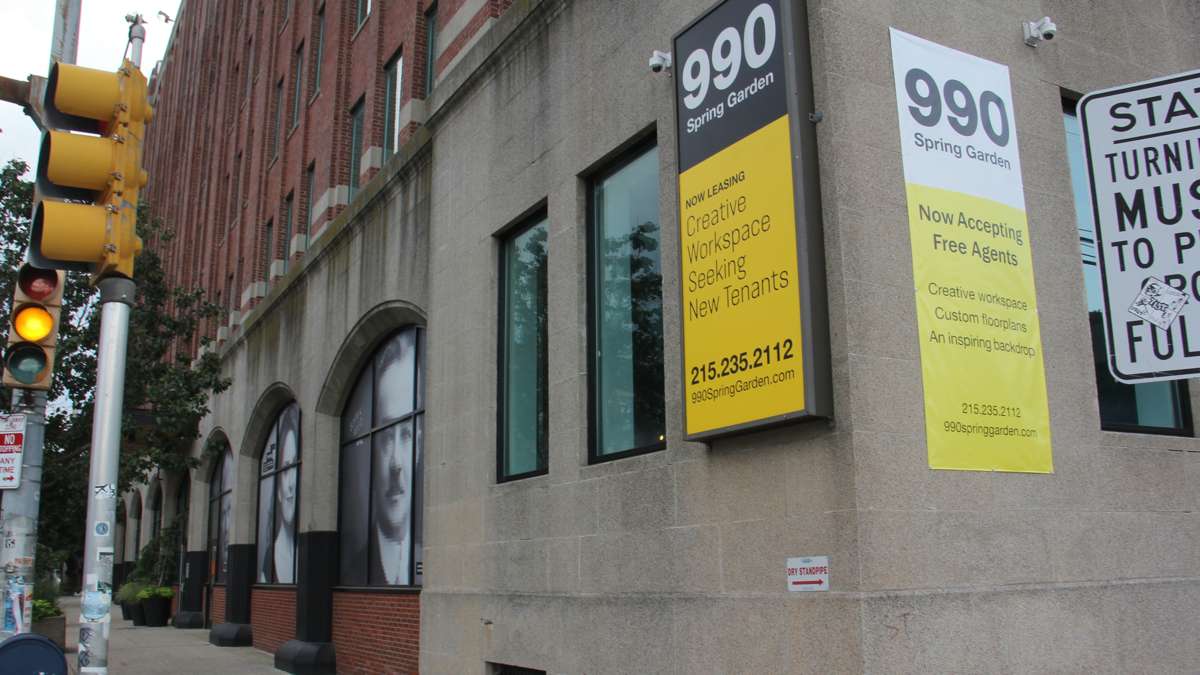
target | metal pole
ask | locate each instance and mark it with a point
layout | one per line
(21, 519)
(64, 45)
(116, 299)
(137, 36)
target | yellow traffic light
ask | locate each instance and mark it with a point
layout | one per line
(33, 328)
(33, 323)
(99, 176)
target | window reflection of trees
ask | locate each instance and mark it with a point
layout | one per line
(527, 336)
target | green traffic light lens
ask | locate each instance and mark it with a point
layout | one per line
(26, 362)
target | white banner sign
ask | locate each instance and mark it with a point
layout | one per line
(1143, 149)
(12, 448)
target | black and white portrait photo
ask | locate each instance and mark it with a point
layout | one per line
(380, 431)
(279, 474)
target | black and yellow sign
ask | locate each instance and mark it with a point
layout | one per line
(746, 268)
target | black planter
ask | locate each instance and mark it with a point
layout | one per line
(137, 612)
(125, 613)
(157, 610)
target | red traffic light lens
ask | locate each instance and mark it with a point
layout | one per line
(38, 284)
(26, 362)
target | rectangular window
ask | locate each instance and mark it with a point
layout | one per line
(287, 232)
(430, 46)
(268, 249)
(297, 92)
(356, 139)
(310, 187)
(319, 56)
(394, 77)
(524, 390)
(1150, 407)
(278, 118)
(625, 305)
(362, 10)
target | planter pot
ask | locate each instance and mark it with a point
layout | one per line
(157, 610)
(125, 613)
(54, 628)
(137, 613)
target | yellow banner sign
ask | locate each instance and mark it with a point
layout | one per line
(741, 320)
(981, 347)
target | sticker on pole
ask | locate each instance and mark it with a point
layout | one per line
(808, 574)
(12, 448)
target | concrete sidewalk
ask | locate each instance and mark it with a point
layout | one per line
(146, 651)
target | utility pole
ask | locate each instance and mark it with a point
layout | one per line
(21, 518)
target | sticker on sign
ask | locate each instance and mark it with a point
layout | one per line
(1142, 161)
(1158, 303)
(808, 574)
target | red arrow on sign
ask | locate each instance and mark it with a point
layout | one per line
(813, 582)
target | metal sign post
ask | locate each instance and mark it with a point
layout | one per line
(116, 299)
(20, 516)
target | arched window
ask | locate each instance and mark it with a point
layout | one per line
(220, 509)
(278, 484)
(380, 478)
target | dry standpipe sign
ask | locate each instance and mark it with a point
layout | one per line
(1143, 147)
(981, 345)
(745, 275)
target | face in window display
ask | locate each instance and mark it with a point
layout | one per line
(285, 508)
(392, 471)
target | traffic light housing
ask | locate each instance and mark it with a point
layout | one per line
(86, 216)
(33, 328)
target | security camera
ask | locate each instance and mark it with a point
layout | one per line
(1037, 31)
(659, 61)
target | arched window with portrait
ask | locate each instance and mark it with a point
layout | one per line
(220, 510)
(379, 510)
(278, 486)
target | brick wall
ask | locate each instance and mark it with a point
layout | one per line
(217, 614)
(273, 615)
(376, 633)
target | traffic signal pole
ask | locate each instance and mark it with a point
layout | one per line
(21, 518)
(116, 300)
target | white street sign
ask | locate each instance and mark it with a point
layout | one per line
(12, 449)
(808, 574)
(1143, 151)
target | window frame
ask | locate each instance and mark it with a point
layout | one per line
(357, 126)
(524, 225)
(1181, 393)
(393, 77)
(218, 474)
(289, 209)
(279, 103)
(319, 52)
(431, 28)
(297, 91)
(268, 248)
(274, 474)
(610, 167)
(417, 417)
(362, 12)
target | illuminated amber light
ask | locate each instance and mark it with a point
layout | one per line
(33, 323)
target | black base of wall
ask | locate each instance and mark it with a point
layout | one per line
(306, 658)
(189, 619)
(231, 635)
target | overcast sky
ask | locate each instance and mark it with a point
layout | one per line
(25, 29)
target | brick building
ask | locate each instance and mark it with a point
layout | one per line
(442, 452)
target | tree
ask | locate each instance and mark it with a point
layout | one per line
(166, 393)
